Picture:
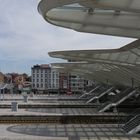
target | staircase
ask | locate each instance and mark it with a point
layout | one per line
(133, 125)
(90, 91)
(119, 98)
(98, 95)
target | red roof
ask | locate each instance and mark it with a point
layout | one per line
(45, 65)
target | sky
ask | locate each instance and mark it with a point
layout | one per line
(26, 38)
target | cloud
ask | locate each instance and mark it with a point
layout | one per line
(26, 38)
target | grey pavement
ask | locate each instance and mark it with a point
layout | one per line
(57, 131)
(64, 132)
(69, 111)
(42, 99)
(39, 96)
(54, 111)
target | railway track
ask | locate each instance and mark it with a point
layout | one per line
(49, 106)
(65, 119)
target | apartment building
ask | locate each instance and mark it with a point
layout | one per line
(44, 78)
(71, 83)
(76, 83)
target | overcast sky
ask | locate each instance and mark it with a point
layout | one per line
(26, 38)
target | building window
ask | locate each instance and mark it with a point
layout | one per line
(33, 80)
(37, 85)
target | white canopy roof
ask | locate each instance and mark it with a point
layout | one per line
(110, 17)
(127, 55)
(102, 72)
(116, 65)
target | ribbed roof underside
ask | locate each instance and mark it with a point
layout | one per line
(114, 65)
(109, 17)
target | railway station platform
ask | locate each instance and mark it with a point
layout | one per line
(62, 118)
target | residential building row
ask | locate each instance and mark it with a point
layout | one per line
(14, 82)
(46, 79)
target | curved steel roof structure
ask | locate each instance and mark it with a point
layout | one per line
(102, 72)
(109, 17)
(127, 55)
(119, 66)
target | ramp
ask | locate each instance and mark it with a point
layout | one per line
(133, 125)
(99, 94)
(119, 98)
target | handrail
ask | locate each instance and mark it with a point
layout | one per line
(118, 99)
(132, 124)
(100, 94)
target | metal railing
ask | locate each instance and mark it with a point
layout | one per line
(132, 124)
(98, 94)
(85, 94)
(118, 98)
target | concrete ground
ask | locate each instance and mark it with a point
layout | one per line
(57, 131)
(38, 96)
(63, 132)
(42, 99)
(46, 100)
(54, 111)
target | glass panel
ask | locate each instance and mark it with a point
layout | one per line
(104, 56)
(123, 56)
(95, 55)
(138, 60)
(114, 56)
(82, 55)
(132, 58)
(137, 51)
